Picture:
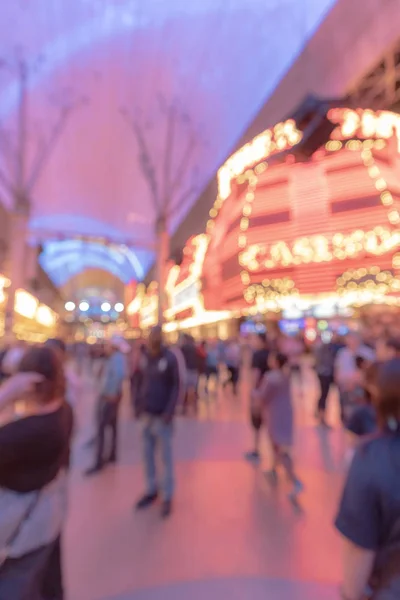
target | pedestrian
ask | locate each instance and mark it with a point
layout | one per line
(109, 400)
(159, 397)
(348, 375)
(369, 512)
(233, 357)
(325, 355)
(192, 360)
(274, 395)
(34, 458)
(137, 363)
(212, 362)
(259, 367)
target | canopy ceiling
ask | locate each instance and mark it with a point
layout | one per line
(213, 62)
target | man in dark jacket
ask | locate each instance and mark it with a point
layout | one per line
(159, 396)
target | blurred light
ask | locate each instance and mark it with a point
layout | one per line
(70, 306)
(119, 307)
(106, 306)
(25, 304)
(84, 306)
(45, 316)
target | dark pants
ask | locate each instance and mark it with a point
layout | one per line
(108, 421)
(234, 377)
(35, 576)
(325, 382)
(136, 384)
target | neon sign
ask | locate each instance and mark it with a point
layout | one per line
(319, 248)
(366, 123)
(281, 137)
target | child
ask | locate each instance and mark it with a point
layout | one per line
(274, 396)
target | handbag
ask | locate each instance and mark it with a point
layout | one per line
(5, 552)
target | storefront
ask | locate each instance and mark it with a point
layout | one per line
(34, 322)
(317, 238)
(184, 300)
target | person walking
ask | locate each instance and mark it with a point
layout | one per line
(192, 361)
(159, 397)
(325, 354)
(369, 514)
(110, 395)
(34, 458)
(259, 366)
(348, 375)
(274, 395)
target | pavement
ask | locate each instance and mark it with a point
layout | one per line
(232, 535)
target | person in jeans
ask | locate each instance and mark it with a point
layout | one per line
(259, 366)
(159, 397)
(348, 375)
(35, 439)
(369, 513)
(192, 362)
(325, 354)
(110, 396)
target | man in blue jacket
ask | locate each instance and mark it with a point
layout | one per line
(158, 399)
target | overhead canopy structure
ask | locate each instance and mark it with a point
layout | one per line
(213, 62)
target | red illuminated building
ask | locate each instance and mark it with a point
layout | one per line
(324, 230)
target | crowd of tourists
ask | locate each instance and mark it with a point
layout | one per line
(40, 390)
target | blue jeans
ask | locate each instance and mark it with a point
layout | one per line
(156, 432)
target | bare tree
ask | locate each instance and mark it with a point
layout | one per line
(20, 168)
(171, 178)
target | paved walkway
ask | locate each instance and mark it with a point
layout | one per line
(231, 535)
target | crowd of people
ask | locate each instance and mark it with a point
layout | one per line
(39, 391)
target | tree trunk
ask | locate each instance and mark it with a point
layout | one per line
(162, 259)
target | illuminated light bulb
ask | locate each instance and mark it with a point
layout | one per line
(366, 154)
(368, 144)
(380, 184)
(396, 261)
(119, 307)
(373, 171)
(105, 307)
(247, 210)
(213, 212)
(394, 217)
(70, 306)
(250, 196)
(244, 224)
(84, 306)
(338, 238)
(261, 168)
(387, 198)
(380, 144)
(242, 241)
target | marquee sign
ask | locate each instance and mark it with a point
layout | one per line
(320, 248)
(184, 293)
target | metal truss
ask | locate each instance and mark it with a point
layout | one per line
(380, 88)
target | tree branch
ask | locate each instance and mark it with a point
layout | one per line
(145, 160)
(47, 150)
(184, 166)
